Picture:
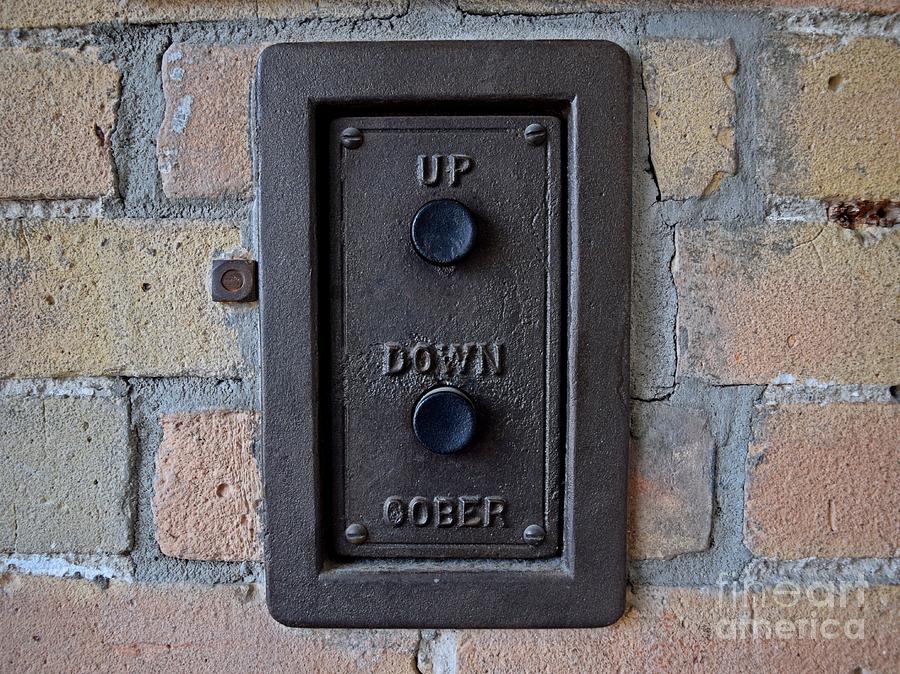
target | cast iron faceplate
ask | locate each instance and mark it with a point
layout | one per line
(339, 271)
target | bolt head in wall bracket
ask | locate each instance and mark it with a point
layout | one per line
(234, 280)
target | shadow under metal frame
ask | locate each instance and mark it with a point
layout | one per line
(299, 88)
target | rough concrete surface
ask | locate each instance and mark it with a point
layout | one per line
(64, 474)
(207, 488)
(56, 116)
(822, 482)
(102, 297)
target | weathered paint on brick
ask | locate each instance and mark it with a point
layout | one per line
(690, 113)
(64, 474)
(807, 300)
(57, 112)
(822, 482)
(77, 626)
(701, 630)
(203, 146)
(123, 297)
(207, 488)
(671, 482)
(39, 13)
(829, 123)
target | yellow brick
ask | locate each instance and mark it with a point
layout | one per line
(40, 13)
(171, 11)
(830, 117)
(690, 113)
(113, 297)
(808, 300)
(57, 112)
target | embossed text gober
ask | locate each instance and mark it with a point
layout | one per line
(446, 360)
(445, 511)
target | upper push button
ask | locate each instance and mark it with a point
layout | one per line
(443, 231)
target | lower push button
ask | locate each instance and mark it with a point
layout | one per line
(444, 420)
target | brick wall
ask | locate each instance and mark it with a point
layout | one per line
(763, 531)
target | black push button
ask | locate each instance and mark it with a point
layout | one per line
(444, 420)
(443, 231)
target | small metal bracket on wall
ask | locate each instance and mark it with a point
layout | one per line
(234, 280)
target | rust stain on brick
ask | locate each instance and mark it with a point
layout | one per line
(863, 214)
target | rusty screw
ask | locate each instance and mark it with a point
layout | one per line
(356, 534)
(534, 534)
(351, 138)
(535, 134)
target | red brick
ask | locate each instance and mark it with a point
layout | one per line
(808, 300)
(57, 112)
(670, 489)
(53, 625)
(207, 488)
(203, 146)
(696, 630)
(822, 482)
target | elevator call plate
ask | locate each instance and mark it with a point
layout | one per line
(444, 263)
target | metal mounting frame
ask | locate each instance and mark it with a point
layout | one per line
(299, 89)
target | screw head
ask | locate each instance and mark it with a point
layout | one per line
(351, 138)
(534, 534)
(535, 134)
(356, 534)
(233, 280)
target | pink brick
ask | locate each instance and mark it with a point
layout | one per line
(822, 482)
(207, 488)
(53, 625)
(810, 300)
(203, 146)
(699, 630)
